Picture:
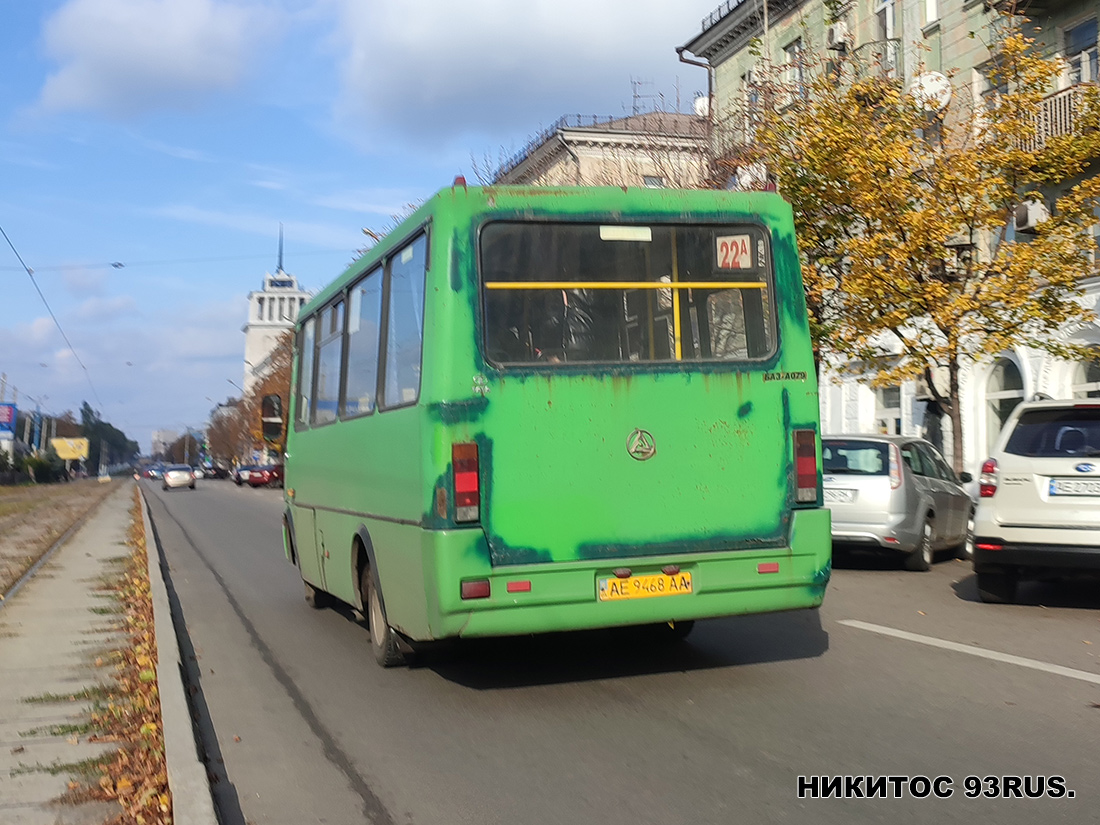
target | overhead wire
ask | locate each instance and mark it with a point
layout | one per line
(30, 274)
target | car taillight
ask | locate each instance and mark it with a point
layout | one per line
(987, 481)
(464, 467)
(805, 465)
(895, 467)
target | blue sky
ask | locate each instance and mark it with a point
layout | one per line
(174, 136)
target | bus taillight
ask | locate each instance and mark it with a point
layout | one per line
(464, 466)
(805, 465)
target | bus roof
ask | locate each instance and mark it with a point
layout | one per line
(531, 201)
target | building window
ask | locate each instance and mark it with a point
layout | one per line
(1086, 379)
(260, 304)
(931, 11)
(888, 410)
(793, 64)
(752, 105)
(653, 182)
(1080, 52)
(1004, 390)
(884, 19)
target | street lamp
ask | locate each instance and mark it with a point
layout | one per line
(235, 384)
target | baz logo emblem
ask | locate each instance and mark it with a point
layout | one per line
(640, 445)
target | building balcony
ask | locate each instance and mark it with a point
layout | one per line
(1059, 114)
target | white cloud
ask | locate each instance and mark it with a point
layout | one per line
(439, 67)
(124, 57)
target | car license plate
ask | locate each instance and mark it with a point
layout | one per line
(1075, 487)
(613, 589)
(835, 496)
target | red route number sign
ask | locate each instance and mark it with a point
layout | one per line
(734, 252)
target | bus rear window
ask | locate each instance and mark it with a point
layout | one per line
(592, 293)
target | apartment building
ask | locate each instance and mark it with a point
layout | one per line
(944, 44)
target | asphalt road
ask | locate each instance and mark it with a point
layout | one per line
(302, 726)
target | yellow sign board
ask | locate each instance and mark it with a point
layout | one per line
(70, 448)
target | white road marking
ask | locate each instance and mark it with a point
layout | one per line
(1007, 658)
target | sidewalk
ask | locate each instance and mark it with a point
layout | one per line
(51, 632)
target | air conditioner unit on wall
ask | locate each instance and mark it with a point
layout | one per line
(836, 36)
(1030, 214)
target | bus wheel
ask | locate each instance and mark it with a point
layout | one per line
(315, 597)
(383, 638)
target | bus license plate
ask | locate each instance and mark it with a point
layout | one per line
(1074, 487)
(614, 589)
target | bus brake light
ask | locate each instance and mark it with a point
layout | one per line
(464, 466)
(805, 466)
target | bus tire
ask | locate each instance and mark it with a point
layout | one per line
(383, 638)
(315, 597)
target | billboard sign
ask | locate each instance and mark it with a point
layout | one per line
(7, 418)
(70, 449)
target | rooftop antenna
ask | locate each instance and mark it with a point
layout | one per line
(280, 265)
(636, 86)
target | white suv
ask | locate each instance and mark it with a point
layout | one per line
(1038, 514)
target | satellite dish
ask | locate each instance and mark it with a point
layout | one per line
(932, 90)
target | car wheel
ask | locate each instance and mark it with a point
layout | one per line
(997, 588)
(383, 638)
(190, 486)
(920, 560)
(965, 550)
(165, 487)
(315, 597)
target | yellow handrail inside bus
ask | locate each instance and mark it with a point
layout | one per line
(676, 286)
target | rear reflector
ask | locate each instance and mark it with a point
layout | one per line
(805, 466)
(476, 589)
(982, 546)
(464, 466)
(768, 567)
(519, 587)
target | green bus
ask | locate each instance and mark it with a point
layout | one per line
(540, 409)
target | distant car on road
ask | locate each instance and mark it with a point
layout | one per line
(1039, 506)
(270, 475)
(895, 493)
(240, 475)
(179, 475)
(198, 471)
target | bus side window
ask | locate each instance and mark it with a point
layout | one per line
(327, 392)
(306, 342)
(364, 324)
(405, 325)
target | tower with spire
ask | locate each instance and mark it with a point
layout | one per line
(271, 311)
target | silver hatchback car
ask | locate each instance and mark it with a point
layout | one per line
(895, 493)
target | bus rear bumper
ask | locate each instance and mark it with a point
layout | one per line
(537, 598)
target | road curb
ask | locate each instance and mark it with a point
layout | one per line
(192, 798)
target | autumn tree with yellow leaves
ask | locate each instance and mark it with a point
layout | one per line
(905, 212)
